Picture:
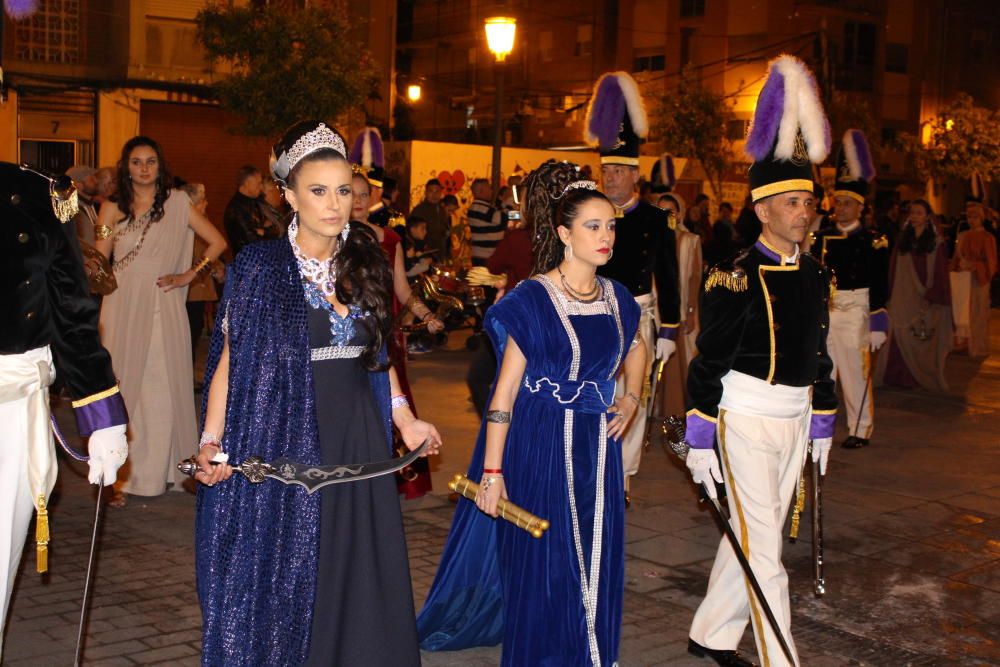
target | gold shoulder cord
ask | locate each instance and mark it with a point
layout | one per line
(880, 242)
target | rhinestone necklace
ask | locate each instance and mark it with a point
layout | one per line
(320, 274)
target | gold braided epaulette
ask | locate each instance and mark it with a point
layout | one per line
(880, 242)
(734, 279)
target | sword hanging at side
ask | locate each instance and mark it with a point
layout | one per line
(819, 580)
(675, 430)
(311, 477)
(652, 402)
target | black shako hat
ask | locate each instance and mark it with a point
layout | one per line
(789, 132)
(855, 168)
(616, 122)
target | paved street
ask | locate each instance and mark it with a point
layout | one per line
(913, 546)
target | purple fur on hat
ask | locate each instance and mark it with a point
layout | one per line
(864, 155)
(606, 111)
(357, 148)
(767, 116)
(20, 9)
(378, 152)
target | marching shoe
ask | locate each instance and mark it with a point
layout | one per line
(724, 658)
(854, 442)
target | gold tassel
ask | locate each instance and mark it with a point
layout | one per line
(42, 537)
(800, 504)
(734, 281)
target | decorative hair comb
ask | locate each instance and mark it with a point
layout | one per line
(577, 185)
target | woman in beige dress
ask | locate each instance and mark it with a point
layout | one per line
(149, 234)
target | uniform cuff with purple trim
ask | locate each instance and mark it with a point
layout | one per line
(700, 430)
(821, 424)
(879, 321)
(99, 411)
(668, 331)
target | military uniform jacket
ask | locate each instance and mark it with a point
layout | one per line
(44, 299)
(858, 259)
(385, 216)
(768, 320)
(646, 250)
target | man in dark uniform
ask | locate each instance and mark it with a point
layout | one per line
(369, 152)
(645, 252)
(761, 384)
(859, 260)
(50, 326)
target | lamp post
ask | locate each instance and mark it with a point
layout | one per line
(500, 32)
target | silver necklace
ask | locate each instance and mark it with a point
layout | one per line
(321, 274)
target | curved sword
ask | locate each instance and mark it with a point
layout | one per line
(311, 477)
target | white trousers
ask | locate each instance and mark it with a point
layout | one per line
(19, 416)
(761, 459)
(632, 441)
(848, 345)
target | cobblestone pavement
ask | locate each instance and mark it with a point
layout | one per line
(912, 532)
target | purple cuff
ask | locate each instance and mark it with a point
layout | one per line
(668, 331)
(100, 414)
(821, 426)
(879, 321)
(700, 431)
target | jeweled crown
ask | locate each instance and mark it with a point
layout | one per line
(577, 185)
(321, 137)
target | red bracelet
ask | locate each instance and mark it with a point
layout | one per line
(492, 471)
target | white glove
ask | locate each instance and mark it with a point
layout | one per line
(821, 452)
(108, 450)
(704, 467)
(664, 348)
(876, 339)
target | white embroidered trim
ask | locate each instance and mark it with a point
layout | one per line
(336, 352)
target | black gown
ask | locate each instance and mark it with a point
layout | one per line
(363, 613)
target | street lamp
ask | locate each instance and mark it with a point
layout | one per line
(500, 32)
(413, 92)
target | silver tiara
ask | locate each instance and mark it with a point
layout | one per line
(577, 185)
(310, 142)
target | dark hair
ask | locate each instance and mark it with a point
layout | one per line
(726, 205)
(245, 172)
(359, 175)
(670, 197)
(432, 182)
(927, 241)
(476, 182)
(700, 198)
(415, 220)
(126, 195)
(364, 277)
(547, 204)
(450, 199)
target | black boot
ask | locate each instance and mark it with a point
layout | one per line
(724, 658)
(854, 442)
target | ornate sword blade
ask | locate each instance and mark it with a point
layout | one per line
(78, 653)
(819, 580)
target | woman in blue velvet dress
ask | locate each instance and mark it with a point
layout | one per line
(550, 442)
(297, 369)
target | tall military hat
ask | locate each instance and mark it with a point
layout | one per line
(977, 189)
(789, 132)
(369, 154)
(663, 176)
(855, 169)
(616, 120)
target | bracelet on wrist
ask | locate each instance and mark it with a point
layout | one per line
(492, 471)
(203, 264)
(399, 401)
(632, 396)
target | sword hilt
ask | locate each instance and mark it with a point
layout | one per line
(253, 468)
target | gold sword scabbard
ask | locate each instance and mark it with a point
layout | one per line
(508, 511)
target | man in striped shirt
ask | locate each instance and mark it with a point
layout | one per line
(485, 221)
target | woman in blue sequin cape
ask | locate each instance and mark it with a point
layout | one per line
(495, 581)
(267, 595)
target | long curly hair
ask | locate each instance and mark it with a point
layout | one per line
(126, 194)
(364, 277)
(547, 204)
(927, 241)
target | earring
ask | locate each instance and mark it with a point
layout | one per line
(611, 252)
(568, 252)
(344, 232)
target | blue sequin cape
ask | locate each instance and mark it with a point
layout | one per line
(257, 544)
(487, 561)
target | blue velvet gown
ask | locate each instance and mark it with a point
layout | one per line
(555, 600)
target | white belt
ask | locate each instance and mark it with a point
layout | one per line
(851, 298)
(336, 352)
(28, 376)
(747, 395)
